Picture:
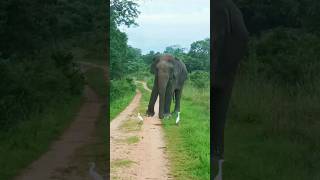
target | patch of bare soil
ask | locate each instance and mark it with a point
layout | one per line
(138, 150)
(58, 161)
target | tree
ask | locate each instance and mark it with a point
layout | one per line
(122, 12)
(199, 56)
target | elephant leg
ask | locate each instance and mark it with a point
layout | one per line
(153, 98)
(221, 98)
(177, 95)
(168, 99)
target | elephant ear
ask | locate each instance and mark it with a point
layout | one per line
(180, 70)
(153, 68)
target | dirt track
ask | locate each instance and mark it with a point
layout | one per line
(58, 162)
(67, 157)
(138, 150)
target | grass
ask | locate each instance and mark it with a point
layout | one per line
(121, 163)
(25, 143)
(271, 134)
(120, 104)
(131, 125)
(188, 144)
(132, 140)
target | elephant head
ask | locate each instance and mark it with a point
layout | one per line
(170, 74)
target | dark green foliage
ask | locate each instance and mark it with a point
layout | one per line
(199, 79)
(120, 88)
(148, 58)
(28, 86)
(36, 63)
(198, 57)
(286, 57)
(121, 55)
(201, 50)
(124, 12)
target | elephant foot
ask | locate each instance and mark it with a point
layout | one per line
(219, 175)
(167, 115)
(175, 112)
(149, 113)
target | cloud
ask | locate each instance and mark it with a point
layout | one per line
(167, 22)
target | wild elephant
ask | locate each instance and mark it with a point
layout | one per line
(230, 39)
(170, 75)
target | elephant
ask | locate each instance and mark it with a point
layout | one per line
(230, 41)
(170, 75)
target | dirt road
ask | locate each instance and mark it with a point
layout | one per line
(58, 162)
(138, 150)
(67, 158)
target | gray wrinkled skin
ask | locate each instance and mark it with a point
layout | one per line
(170, 75)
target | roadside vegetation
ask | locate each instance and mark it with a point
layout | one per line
(189, 142)
(273, 125)
(40, 85)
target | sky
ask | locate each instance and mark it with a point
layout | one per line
(163, 23)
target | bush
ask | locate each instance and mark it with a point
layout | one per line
(200, 79)
(286, 57)
(119, 88)
(29, 86)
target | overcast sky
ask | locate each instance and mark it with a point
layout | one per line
(164, 23)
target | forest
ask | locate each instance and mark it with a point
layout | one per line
(40, 82)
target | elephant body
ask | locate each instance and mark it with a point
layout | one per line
(170, 75)
(229, 47)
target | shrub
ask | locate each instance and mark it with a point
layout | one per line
(200, 79)
(286, 57)
(29, 86)
(119, 88)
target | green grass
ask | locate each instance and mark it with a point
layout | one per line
(189, 143)
(132, 140)
(131, 125)
(120, 104)
(121, 163)
(25, 143)
(272, 135)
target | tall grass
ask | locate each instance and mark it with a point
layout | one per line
(121, 93)
(272, 134)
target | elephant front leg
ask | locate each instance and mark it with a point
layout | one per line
(168, 99)
(221, 98)
(153, 99)
(177, 95)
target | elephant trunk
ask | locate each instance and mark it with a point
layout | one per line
(162, 84)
